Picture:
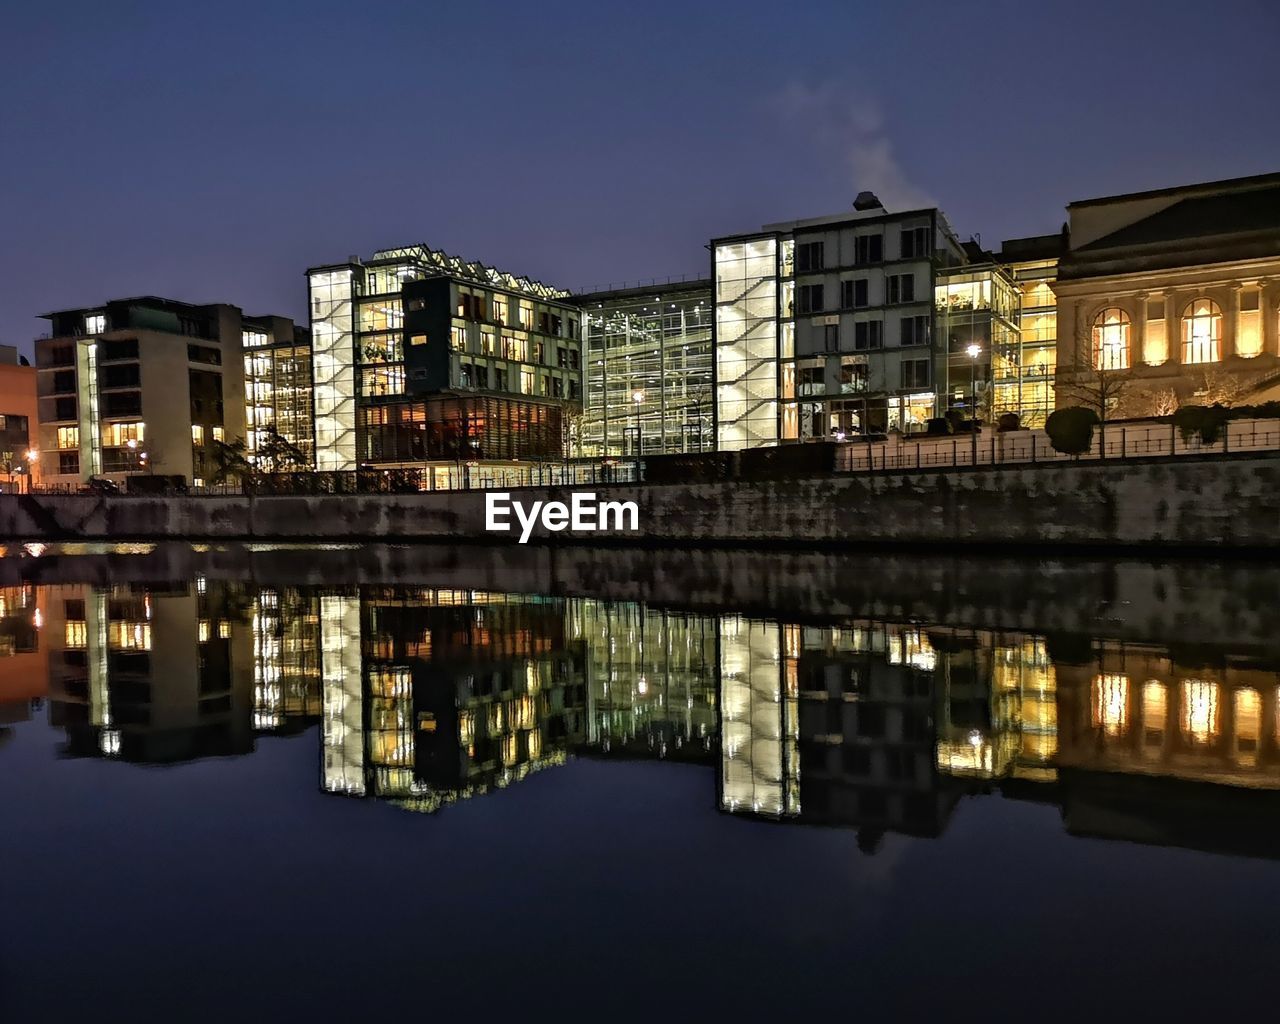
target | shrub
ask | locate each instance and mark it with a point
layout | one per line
(1204, 422)
(1009, 421)
(1071, 430)
(938, 425)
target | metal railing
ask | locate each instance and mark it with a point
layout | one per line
(1032, 447)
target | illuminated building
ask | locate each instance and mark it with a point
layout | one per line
(286, 659)
(424, 362)
(849, 324)
(143, 385)
(648, 370)
(148, 674)
(1033, 262)
(651, 678)
(431, 696)
(977, 313)
(19, 460)
(759, 728)
(277, 391)
(1176, 287)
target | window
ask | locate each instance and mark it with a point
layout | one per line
(1249, 324)
(68, 462)
(125, 348)
(1155, 340)
(121, 403)
(901, 288)
(811, 379)
(204, 354)
(853, 377)
(500, 309)
(197, 434)
(458, 338)
(526, 381)
(915, 243)
(68, 437)
(868, 334)
(219, 434)
(253, 339)
(811, 298)
(830, 337)
(417, 339)
(868, 249)
(853, 294)
(125, 375)
(915, 330)
(915, 374)
(64, 409)
(116, 435)
(809, 257)
(95, 323)
(1111, 339)
(64, 382)
(1202, 332)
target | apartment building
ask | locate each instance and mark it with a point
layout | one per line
(424, 362)
(825, 327)
(1033, 263)
(649, 370)
(142, 385)
(277, 392)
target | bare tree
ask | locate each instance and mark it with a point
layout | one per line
(1093, 387)
(1219, 386)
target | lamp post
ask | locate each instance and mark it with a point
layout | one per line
(637, 396)
(973, 352)
(33, 457)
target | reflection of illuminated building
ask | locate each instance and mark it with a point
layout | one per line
(150, 675)
(286, 659)
(759, 762)
(866, 729)
(24, 671)
(1136, 709)
(651, 679)
(434, 695)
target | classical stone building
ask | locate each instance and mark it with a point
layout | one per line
(1177, 288)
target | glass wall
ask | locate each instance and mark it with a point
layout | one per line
(461, 429)
(648, 373)
(746, 339)
(333, 363)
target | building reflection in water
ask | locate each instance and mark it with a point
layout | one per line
(424, 697)
(24, 674)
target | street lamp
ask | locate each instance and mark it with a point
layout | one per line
(33, 457)
(637, 396)
(973, 351)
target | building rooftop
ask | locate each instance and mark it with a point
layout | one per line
(1225, 184)
(454, 266)
(150, 301)
(1246, 211)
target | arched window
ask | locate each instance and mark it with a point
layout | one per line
(1202, 332)
(1111, 339)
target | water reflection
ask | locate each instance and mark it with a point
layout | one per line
(427, 696)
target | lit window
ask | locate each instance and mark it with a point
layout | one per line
(1202, 332)
(75, 635)
(219, 434)
(1111, 339)
(1111, 704)
(417, 339)
(197, 434)
(1249, 324)
(95, 323)
(68, 437)
(1200, 710)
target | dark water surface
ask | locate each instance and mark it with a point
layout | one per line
(277, 784)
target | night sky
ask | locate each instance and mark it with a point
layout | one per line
(212, 152)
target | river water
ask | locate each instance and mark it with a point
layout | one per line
(243, 784)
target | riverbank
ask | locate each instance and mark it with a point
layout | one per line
(1227, 502)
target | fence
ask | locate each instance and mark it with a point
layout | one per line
(1127, 440)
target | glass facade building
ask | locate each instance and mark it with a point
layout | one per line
(393, 333)
(278, 389)
(649, 371)
(977, 313)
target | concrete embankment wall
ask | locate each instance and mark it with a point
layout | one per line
(1215, 501)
